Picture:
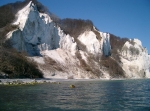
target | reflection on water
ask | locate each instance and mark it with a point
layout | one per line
(87, 96)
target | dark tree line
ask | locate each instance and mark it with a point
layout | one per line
(117, 42)
(6, 15)
(75, 27)
(116, 45)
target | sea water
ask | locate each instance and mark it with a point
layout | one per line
(102, 95)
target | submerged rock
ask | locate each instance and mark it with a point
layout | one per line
(72, 86)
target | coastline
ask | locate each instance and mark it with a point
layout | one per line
(28, 81)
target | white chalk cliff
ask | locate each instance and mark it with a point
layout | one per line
(135, 59)
(56, 52)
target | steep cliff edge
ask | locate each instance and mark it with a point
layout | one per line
(135, 59)
(63, 52)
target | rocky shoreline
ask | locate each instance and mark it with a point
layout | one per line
(26, 81)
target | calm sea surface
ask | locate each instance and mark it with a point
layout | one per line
(116, 95)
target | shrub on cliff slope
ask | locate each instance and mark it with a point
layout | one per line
(114, 68)
(91, 64)
(16, 65)
(116, 45)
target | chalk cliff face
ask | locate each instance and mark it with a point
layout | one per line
(36, 31)
(135, 59)
(57, 53)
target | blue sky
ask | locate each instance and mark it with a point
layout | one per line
(124, 18)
